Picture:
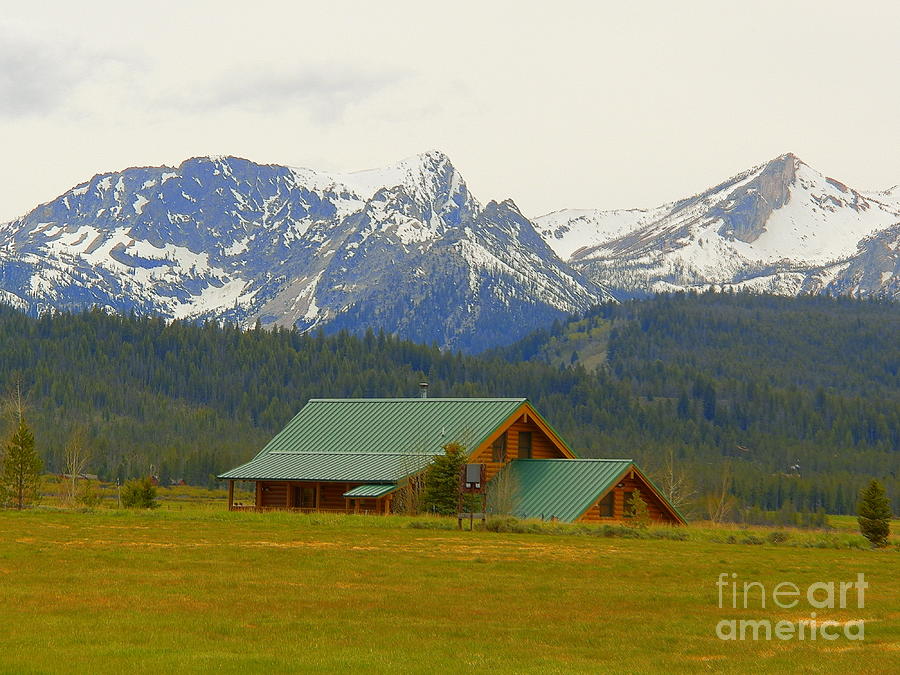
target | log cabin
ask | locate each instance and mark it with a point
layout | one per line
(353, 455)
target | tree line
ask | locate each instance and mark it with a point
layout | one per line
(796, 398)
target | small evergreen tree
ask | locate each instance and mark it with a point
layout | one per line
(139, 493)
(636, 510)
(442, 480)
(874, 511)
(20, 470)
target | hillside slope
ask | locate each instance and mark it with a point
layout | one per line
(799, 396)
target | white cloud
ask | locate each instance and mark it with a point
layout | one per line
(34, 78)
(323, 90)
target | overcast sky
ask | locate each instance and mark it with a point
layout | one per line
(554, 104)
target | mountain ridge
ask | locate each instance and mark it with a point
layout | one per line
(409, 249)
(225, 238)
(780, 227)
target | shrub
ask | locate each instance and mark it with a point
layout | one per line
(88, 496)
(778, 537)
(669, 533)
(619, 531)
(511, 524)
(139, 493)
(430, 524)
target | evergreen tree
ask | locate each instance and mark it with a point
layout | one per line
(636, 511)
(442, 480)
(20, 471)
(874, 511)
(139, 493)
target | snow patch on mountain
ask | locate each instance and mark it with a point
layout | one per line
(12, 300)
(571, 230)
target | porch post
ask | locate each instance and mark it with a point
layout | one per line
(258, 494)
(231, 495)
(318, 495)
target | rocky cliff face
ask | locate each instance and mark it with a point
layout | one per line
(746, 211)
(874, 270)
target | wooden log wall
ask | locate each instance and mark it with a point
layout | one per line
(275, 494)
(366, 506)
(330, 496)
(658, 512)
(541, 447)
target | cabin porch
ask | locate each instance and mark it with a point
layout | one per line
(316, 497)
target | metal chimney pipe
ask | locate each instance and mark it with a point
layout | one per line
(423, 390)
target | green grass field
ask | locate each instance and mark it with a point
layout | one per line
(200, 589)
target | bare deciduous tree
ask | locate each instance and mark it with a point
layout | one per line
(409, 498)
(502, 493)
(76, 458)
(14, 403)
(720, 504)
(676, 483)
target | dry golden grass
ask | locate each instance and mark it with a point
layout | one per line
(203, 590)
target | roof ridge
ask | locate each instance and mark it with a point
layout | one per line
(576, 459)
(352, 452)
(419, 399)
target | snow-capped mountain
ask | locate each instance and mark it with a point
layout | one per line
(406, 248)
(781, 227)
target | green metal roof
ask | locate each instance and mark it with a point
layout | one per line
(374, 440)
(407, 425)
(561, 488)
(369, 491)
(349, 467)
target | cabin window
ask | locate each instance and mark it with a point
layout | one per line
(524, 445)
(498, 449)
(626, 504)
(606, 505)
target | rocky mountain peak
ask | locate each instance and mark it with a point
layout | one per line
(745, 211)
(405, 248)
(780, 227)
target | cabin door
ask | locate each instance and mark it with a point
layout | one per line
(304, 496)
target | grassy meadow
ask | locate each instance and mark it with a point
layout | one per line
(190, 587)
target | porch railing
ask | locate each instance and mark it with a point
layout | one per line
(293, 509)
